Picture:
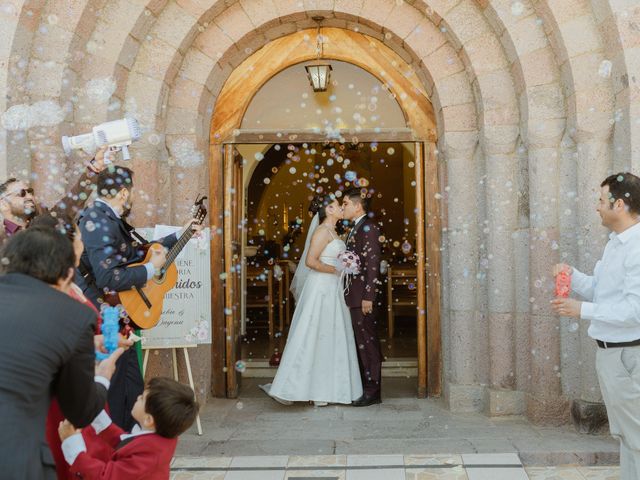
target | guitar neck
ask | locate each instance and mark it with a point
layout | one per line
(177, 248)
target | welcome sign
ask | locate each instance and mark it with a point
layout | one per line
(186, 313)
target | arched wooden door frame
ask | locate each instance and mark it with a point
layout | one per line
(244, 82)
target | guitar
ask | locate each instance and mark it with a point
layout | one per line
(144, 305)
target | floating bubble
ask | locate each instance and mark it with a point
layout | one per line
(391, 151)
(5, 261)
(241, 366)
(517, 8)
(154, 139)
(274, 169)
(382, 239)
(350, 175)
(185, 153)
(45, 113)
(292, 170)
(258, 156)
(605, 69)
(8, 9)
(574, 327)
(228, 311)
(406, 247)
(100, 90)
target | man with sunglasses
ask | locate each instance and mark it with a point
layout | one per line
(18, 204)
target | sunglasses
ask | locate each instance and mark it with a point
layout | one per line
(20, 193)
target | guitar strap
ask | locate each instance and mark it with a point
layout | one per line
(132, 231)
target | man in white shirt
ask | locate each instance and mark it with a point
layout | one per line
(613, 308)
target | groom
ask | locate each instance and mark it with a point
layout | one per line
(361, 296)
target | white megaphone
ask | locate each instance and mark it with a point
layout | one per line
(117, 135)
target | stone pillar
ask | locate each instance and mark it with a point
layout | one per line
(462, 391)
(545, 404)
(502, 219)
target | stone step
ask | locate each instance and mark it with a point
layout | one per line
(393, 367)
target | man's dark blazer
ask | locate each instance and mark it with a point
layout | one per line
(108, 248)
(47, 350)
(364, 240)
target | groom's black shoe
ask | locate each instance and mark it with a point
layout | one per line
(365, 401)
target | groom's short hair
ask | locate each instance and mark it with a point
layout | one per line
(359, 195)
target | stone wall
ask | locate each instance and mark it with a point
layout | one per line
(536, 102)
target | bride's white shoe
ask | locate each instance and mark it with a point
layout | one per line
(282, 400)
(320, 404)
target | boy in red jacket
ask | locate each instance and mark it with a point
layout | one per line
(164, 411)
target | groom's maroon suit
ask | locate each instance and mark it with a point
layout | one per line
(364, 240)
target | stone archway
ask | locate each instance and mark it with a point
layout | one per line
(236, 94)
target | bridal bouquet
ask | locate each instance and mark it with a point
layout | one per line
(348, 262)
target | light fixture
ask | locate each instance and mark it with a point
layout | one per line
(319, 73)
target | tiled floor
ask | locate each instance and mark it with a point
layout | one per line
(494, 466)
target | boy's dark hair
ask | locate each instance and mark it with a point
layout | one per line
(359, 195)
(172, 405)
(626, 187)
(62, 223)
(4, 186)
(113, 179)
(40, 252)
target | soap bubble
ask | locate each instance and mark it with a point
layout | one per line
(100, 90)
(241, 366)
(45, 113)
(185, 154)
(517, 8)
(266, 180)
(574, 327)
(605, 69)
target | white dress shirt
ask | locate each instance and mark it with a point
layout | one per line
(613, 292)
(355, 222)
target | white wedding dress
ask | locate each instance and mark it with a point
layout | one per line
(320, 361)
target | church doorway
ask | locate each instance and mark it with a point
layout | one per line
(270, 167)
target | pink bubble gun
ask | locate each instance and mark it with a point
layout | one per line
(563, 284)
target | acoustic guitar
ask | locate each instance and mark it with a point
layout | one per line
(144, 305)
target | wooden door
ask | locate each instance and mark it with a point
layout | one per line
(233, 262)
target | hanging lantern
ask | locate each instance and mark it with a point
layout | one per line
(319, 76)
(319, 73)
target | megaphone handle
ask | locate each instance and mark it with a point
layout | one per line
(125, 153)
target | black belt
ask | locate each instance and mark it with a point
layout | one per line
(633, 343)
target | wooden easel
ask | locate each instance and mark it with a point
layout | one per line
(174, 357)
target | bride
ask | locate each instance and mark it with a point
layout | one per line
(319, 362)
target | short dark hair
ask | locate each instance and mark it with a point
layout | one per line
(40, 252)
(172, 405)
(113, 179)
(626, 187)
(359, 195)
(61, 222)
(4, 186)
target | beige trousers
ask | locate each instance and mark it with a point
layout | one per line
(619, 375)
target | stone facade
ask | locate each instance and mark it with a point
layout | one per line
(536, 101)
